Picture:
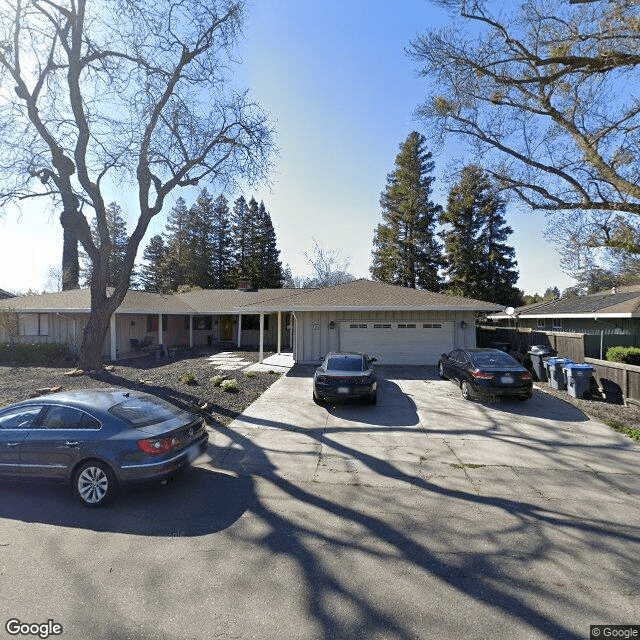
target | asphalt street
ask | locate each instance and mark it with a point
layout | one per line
(425, 516)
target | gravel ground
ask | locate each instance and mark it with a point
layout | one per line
(628, 416)
(153, 376)
(162, 379)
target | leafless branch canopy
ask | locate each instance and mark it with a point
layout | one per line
(545, 97)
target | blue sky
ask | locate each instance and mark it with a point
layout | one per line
(336, 80)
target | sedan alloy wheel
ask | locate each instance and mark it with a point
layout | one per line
(94, 483)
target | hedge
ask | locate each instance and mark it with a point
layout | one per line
(34, 353)
(626, 355)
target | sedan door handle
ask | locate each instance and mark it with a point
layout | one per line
(12, 444)
(72, 444)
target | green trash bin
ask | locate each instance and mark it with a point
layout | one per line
(578, 378)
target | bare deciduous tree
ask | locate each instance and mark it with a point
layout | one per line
(126, 92)
(546, 97)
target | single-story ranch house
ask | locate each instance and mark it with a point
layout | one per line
(615, 312)
(397, 325)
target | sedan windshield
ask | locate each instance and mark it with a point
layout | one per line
(345, 364)
(141, 412)
(497, 359)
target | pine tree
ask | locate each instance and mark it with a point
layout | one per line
(406, 250)
(222, 263)
(240, 230)
(479, 262)
(200, 242)
(153, 274)
(271, 274)
(176, 238)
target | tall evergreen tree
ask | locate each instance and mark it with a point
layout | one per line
(222, 264)
(240, 229)
(271, 274)
(479, 262)
(153, 274)
(118, 239)
(176, 237)
(200, 242)
(406, 250)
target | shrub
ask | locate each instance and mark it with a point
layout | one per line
(229, 385)
(218, 380)
(34, 353)
(188, 378)
(250, 374)
(626, 355)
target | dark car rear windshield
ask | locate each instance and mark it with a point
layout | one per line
(345, 364)
(494, 359)
(141, 412)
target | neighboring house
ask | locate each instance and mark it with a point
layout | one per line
(615, 312)
(5, 294)
(395, 324)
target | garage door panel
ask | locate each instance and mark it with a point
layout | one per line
(398, 342)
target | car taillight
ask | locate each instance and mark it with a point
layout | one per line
(526, 376)
(157, 446)
(481, 375)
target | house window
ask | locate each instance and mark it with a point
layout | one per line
(557, 323)
(541, 324)
(252, 323)
(34, 324)
(202, 323)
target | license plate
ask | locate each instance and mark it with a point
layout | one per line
(343, 389)
(506, 379)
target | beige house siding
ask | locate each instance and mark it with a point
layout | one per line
(313, 337)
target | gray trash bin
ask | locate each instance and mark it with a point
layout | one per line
(578, 377)
(538, 354)
(555, 372)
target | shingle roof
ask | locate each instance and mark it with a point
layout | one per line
(625, 300)
(5, 294)
(357, 295)
(367, 295)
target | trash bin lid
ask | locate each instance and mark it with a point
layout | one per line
(559, 361)
(541, 350)
(582, 367)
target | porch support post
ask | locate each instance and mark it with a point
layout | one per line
(160, 340)
(239, 329)
(190, 331)
(279, 331)
(112, 331)
(261, 352)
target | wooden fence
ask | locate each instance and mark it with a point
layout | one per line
(569, 345)
(620, 382)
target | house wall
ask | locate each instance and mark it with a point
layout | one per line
(310, 344)
(43, 328)
(584, 325)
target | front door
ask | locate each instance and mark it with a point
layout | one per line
(226, 328)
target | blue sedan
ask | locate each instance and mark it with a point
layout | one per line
(97, 440)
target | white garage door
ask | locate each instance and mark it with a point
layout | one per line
(398, 342)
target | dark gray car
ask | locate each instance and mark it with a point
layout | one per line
(344, 376)
(97, 440)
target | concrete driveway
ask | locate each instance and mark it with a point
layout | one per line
(424, 517)
(428, 516)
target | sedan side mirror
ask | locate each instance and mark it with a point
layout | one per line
(373, 359)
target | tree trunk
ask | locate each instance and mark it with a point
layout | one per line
(70, 261)
(90, 357)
